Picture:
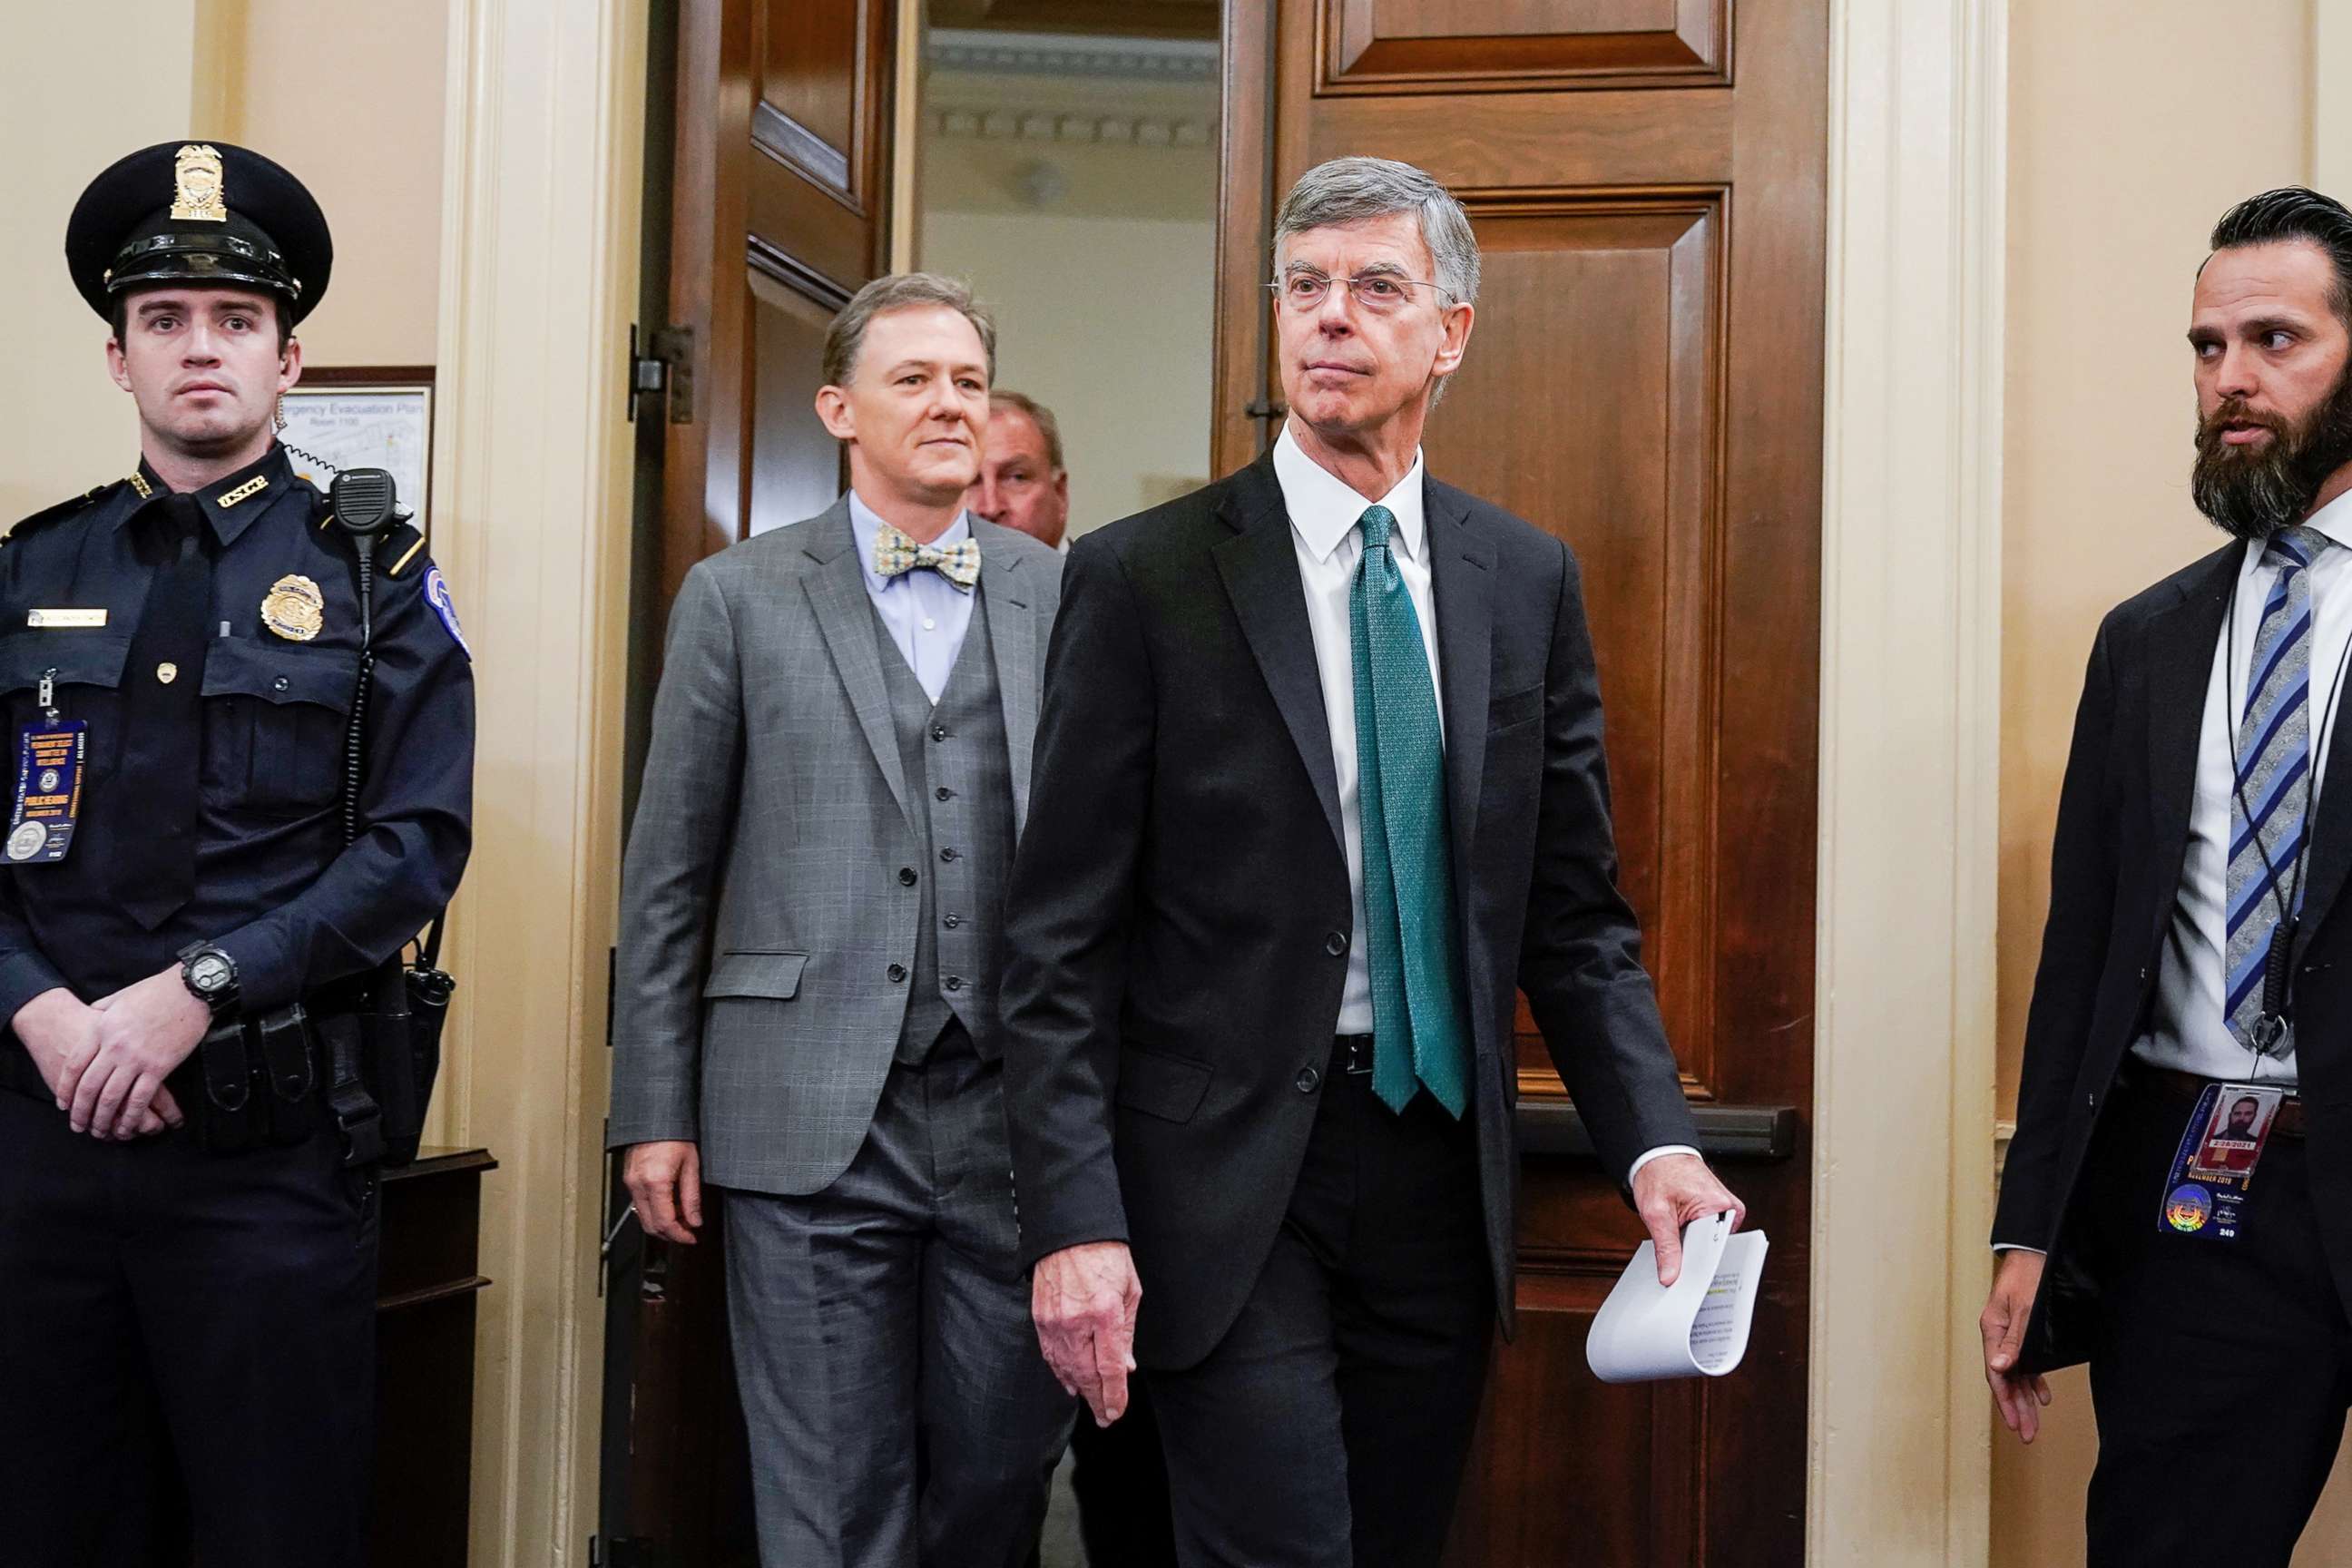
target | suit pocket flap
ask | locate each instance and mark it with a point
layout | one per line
(772, 974)
(1515, 707)
(1169, 1087)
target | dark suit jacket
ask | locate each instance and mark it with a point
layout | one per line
(1178, 924)
(2116, 865)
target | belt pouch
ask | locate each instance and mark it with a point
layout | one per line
(429, 990)
(226, 1120)
(292, 1074)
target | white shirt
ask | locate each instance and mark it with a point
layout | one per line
(926, 614)
(2187, 1028)
(1323, 516)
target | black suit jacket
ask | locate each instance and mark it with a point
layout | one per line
(1179, 918)
(2121, 842)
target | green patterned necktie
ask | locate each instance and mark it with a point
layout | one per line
(1418, 1033)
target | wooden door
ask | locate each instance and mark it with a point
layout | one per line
(777, 164)
(1644, 379)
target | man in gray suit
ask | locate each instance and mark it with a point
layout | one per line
(806, 1017)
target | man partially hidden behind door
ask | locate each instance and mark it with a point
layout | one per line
(806, 1015)
(2201, 831)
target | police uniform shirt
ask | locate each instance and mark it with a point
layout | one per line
(275, 886)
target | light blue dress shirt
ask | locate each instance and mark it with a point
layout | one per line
(927, 615)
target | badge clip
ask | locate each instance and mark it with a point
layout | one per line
(2270, 1030)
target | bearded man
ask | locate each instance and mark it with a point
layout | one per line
(2194, 956)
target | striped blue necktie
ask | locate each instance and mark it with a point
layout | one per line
(2273, 765)
(1420, 1025)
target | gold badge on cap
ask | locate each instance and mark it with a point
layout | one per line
(295, 610)
(196, 185)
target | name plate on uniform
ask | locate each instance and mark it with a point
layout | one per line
(39, 619)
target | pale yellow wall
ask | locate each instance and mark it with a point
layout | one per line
(282, 75)
(1103, 289)
(1107, 323)
(67, 426)
(348, 95)
(2133, 125)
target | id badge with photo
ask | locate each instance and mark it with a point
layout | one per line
(2205, 1193)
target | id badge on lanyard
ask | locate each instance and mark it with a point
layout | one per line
(2214, 1166)
(49, 756)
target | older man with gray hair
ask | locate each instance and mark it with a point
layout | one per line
(806, 1013)
(1320, 781)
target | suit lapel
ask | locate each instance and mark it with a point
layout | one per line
(1461, 575)
(1012, 635)
(2331, 835)
(844, 614)
(1260, 568)
(2181, 638)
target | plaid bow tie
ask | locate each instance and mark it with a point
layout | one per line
(895, 555)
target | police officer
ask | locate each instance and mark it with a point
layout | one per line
(187, 1243)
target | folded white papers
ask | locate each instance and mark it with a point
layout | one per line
(1696, 1325)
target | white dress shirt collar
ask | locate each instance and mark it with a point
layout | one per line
(2334, 519)
(1323, 508)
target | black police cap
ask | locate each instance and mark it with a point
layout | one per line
(199, 212)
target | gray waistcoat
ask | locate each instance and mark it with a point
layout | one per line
(967, 837)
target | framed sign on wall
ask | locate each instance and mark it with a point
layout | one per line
(365, 417)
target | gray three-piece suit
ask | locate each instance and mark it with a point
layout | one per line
(810, 936)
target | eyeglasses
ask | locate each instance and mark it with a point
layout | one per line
(1305, 289)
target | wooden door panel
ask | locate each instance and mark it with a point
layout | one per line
(1645, 381)
(1609, 1480)
(1452, 46)
(808, 85)
(820, 116)
(1591, 413)
(795, 464)
(1490, 141)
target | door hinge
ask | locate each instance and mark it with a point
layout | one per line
(663, 369)
(624, 1552)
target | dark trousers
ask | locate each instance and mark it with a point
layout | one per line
(899, 1410)
(187, 1346)
(1119, 1478)
(1328, 1428)
(2221, 1372)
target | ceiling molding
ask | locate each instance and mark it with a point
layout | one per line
(1180, 61)
(997, 123)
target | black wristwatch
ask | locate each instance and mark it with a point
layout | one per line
(210, 976)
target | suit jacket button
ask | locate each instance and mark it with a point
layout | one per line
(1335, 944)
(1306, 1080)
(898, 973)
(906, 876)
(938, 732)
(955, 982)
